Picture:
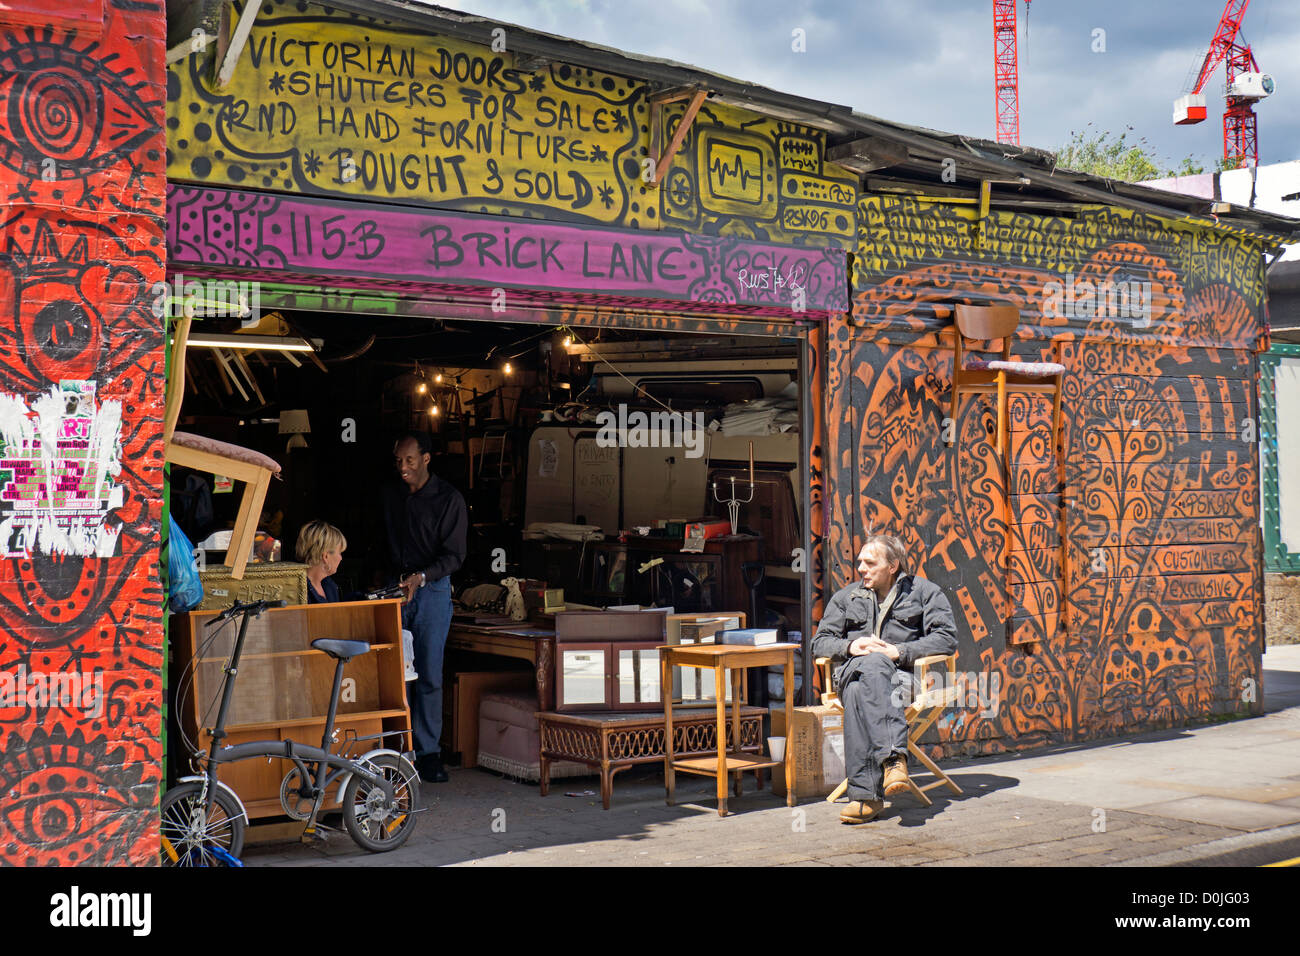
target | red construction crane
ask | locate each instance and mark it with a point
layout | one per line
(1245, 87)
(1006, 71)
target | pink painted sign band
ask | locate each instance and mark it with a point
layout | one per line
(220, 228)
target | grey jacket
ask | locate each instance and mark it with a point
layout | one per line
(920, 622)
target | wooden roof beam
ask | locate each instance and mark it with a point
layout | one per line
(662, 160)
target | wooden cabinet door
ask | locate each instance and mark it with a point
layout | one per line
(583, 677)
(636, 676)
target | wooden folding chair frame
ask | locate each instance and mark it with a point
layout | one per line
(256, 478)
(921, 714)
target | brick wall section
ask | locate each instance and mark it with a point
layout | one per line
(1282, 608)
(82, 156)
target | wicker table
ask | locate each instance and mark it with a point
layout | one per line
(614, 741)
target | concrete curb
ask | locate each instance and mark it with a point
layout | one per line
(1216, 848)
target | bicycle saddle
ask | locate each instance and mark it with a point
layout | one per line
(341, 650)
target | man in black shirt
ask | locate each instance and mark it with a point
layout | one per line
(426, 523)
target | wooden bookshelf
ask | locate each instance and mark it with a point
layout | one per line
(283, 688)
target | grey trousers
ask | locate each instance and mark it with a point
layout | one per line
(875, 694)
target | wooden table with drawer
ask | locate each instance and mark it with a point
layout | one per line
(521, 641)
(613, 741)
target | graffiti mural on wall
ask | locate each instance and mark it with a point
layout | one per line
(328, 104)
(81, 380)
(1155, 618)
(757, 177)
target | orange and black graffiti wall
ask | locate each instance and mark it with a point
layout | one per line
(1149, 616)
(82, 157)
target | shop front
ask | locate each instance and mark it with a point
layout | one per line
(603, 302)
(428, 178)
(622, 300)
(582, 387)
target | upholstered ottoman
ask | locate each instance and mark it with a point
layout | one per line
(508, 740)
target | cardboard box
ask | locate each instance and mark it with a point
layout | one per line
(698, 532)
(816, 742)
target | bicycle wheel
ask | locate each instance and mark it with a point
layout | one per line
(192, 838)
(375, 825)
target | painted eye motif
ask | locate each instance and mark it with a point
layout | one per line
(62, 592)
(55, 796)
(64, 114)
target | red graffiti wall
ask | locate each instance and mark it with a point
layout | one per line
(82, 154)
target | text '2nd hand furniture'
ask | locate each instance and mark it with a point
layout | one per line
(726, 762)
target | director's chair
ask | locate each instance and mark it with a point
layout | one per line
(920, 714)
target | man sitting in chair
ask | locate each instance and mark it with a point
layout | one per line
(878, 628)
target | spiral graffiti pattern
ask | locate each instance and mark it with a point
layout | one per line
(57, 112)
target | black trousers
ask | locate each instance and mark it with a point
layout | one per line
(875, 694)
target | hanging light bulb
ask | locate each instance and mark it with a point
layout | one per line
(433, 410)
(568, 340)
(438, 378)
(508, 368)
(421, 388)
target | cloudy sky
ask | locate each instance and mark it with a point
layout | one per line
(930, 62)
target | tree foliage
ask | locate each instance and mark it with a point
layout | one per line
(1116, 157)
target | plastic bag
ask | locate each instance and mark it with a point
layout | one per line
(408, 654)
(185, 590)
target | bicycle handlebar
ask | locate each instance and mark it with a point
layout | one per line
(254, 608)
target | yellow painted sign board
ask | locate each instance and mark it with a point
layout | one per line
(328, 104)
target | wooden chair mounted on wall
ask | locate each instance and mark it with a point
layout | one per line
(988, 323)
(921, 713)
(217, 458)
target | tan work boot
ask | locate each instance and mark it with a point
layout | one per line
(861, 811)
(896, 779)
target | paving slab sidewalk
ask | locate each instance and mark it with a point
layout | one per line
(1222, 793)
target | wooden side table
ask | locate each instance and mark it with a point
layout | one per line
(720, 658)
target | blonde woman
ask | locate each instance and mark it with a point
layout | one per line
(320, 547)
